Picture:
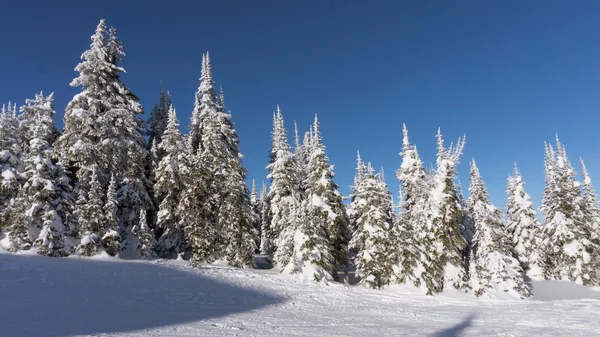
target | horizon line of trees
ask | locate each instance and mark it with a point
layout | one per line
(112, 183)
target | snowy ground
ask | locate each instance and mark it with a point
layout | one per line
(50, 297)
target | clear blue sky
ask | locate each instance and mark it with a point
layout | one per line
(509, 74)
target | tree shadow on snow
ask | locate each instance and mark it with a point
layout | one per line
(456, 330)
(54, 297)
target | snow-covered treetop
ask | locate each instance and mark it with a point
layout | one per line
(361, 170)
(477, 190)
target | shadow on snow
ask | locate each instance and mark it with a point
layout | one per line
(58, 297)
(456, 330)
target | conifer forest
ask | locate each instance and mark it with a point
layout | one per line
(111, 183)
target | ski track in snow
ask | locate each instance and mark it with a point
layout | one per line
(50, 297)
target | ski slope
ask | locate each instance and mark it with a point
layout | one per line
(50, 297)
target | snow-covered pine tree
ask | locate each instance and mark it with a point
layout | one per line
(221, 156)
(372, 239)
(157, 123)
(589, 206)
(205, 104)
(90, 216)
(493, 270)
(111, 239)
(11, 165)
(283, 195)
(568, 252)
(446, 262)
(311, 255)
(145, 236)
(323, 193)
(355, 208)
(255, 203)
(39, 107)
(170, 183)
(200, 233)
(41, 187)
(412, 236)
(17, 222)
(266, 238)
(235, 216)
(522, 225)
(103, 129)
(50, 241)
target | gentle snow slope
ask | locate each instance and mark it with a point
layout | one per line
(50, 297)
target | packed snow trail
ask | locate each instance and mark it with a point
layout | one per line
(51, 297)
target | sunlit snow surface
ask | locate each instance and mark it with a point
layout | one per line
(105, 296)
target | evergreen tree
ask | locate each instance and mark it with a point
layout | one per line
(266, 237)
(220, 155)
(283, 196)
(569, 254)
(236, 218)
(372, 239)
(42, 176)
(200, 232)
(412, 236)
(323, 193)
(493, 269)
(14, 216)
(355, 208)
(522, 224)
(11, 165)
(589, 206)
(145, 236)
(39, 108)
(111, 239)
(90, 217)
(445, 266)
(170, 183)
(157, 123)
(255, 204)
(50, 241)
(103, 129)
(311, 255)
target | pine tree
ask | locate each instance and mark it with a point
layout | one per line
(157, 123)
(111, 239)
(236, 218)
(413, 238)
(446, 263)
(255, 204)
(42, 176)
(170, 183)
(50, 241)
(11, 165)
(283, 196)
(145, 236)
(323, 193)
(39, 108)
(200, 232)
(569, 254)
(205, 105)
(355, 209)
(493, 269)
(589, 206)
(372, 239)
(266, 238)
(311, 256)
(14, 215)
(220, 155)
(91, 217)
(103, 129)
(522, 225)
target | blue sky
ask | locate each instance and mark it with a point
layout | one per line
(509, 74)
